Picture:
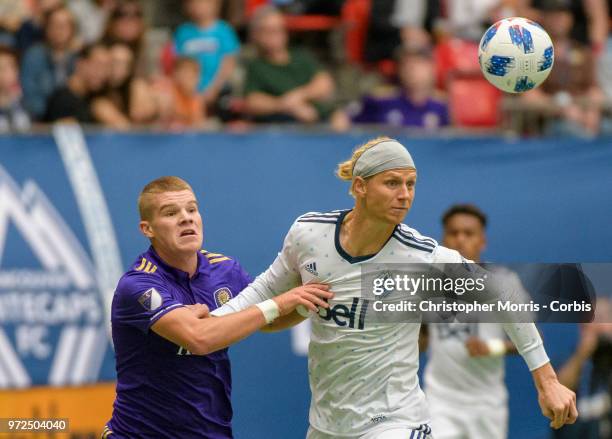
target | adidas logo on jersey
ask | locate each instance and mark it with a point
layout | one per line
(312, 268)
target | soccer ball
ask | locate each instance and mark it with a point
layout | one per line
(516, 55)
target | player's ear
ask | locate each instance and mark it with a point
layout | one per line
(359, 187)
(146, 229)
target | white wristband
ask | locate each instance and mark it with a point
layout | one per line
(497, 347)
(270, 310)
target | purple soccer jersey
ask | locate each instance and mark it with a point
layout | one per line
(162, 390)
(398, 110)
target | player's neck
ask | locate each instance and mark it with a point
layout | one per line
(361, 235)
(187, 262)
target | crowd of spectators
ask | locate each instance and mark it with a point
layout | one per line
(87, 60)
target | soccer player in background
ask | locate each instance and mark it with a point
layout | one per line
(464, 376)
(588, 372)
(363, 376)
(173, 371)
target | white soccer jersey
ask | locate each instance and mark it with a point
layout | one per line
(361, 374)
(455, 378)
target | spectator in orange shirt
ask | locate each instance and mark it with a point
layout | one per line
(180, 103)
(187, 108)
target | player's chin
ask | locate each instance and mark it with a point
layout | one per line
(396, 216)
(190, 243)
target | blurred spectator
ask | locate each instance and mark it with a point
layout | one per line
(588, 372)
(415, 20)
(126, 25)
(383, 37)
(13, 116)
(591, 27)
(128, 99)
(90, 77)
(12, 15)
(413, 104)
(212, 42)
(464, 19)
(184, 106)
(571, 86)
(605, 63)
(468, 19)
(91, 16)
(590, 19)
(32, 30)
(283, 84)
(46, 66)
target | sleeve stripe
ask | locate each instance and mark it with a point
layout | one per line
(317, 221)
(215, 260)
(142, 264)
(146, 266)
(412, 244)
(409, 235)
(164, 310)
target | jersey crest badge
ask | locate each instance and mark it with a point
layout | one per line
(222, 296)
(150, 299)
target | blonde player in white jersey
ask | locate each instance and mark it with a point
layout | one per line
(464, 376)
(363, 377)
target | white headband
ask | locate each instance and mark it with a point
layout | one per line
(388, 154)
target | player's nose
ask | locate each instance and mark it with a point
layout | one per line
(186, 217)
(403, 193)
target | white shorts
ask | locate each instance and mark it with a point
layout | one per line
(391, 432)
(455, 422)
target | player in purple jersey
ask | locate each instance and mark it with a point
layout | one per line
(173, 370)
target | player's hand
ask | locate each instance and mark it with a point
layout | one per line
(477, 347)
(200, 310)
(310, 296)
(558, 403)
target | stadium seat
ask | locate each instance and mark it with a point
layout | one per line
(251, 5)
(455, 55)
(355, 17)
(473, 102)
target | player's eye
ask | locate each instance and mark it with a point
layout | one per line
(169, 213)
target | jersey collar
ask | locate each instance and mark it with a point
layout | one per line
(343, 253)
(177, 274)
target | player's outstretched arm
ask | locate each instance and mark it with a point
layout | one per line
(281, 276)
(284, 322)
(202, 336)
(558, 403)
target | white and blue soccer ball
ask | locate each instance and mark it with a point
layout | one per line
(516, 55)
